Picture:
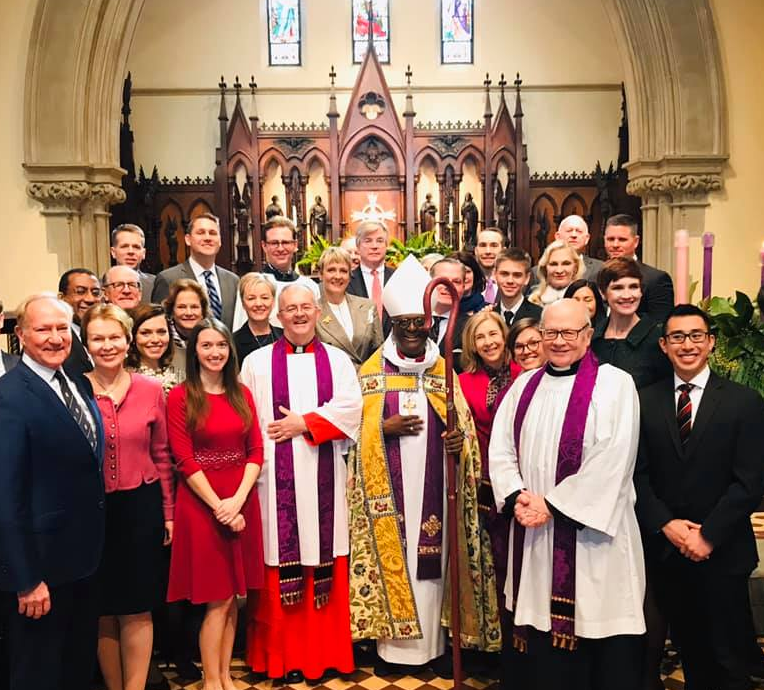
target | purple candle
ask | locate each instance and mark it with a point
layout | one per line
(708, 248)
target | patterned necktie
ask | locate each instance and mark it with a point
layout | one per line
(376, 291)
(684, 412)
(212, 292)
(490, 291)
(75, 409)
(508, 316)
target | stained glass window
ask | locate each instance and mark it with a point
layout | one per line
(380, 28)
(283, 32)
(456, 31)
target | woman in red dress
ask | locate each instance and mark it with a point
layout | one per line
(216, 441)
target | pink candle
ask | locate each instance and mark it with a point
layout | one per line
(681, 266)
(708, 248)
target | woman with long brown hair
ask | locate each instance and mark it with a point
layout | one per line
(218, 447)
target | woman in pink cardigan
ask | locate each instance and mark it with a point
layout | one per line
(139, 499)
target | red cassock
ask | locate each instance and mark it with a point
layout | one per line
(209, 562)
(300, 637)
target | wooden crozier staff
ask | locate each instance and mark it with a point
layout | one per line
(451, 460)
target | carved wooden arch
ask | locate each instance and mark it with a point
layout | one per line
(507, 157)
(570, 198)
(541, 198)
(272, 154)
(352, 144)
(170, 209)
(428, 153)
(470, 151)
(198, 203)
(240, 157)
(316, 154)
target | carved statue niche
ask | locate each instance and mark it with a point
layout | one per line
(273, 209)
(172, 241)
(543, 232)
(502, 210)
(318, 218)
(427, 214)
(241, 205)
(372, 154)
(470, 220)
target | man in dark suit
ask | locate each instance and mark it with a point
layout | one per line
(622, 239)
(699, 475)
(368, 280)
(574, 230)
(513, 272)
(454, 270)
(128, 248)
(51, 506)
(7, 360)
(80, 289)
(203, 240)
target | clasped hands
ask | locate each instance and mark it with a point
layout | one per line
(412, 425)
(288, 427)
(228, 512)
(685, 535)
(531, 510)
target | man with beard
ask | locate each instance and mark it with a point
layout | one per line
(399, 552)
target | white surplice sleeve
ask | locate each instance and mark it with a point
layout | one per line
(345, 407)
(598, 493)
(503, 467)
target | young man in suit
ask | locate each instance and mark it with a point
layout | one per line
(369, 279)
(622, 239)
(51, 506)
(454, 270)
(128, 248)
(203, 241)
(80, 289)
(490, 242)
(513, 272)
(699, 475)
(7, 360)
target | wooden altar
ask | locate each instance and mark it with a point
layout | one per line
(370, 166)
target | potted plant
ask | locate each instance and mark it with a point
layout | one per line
(420, 245)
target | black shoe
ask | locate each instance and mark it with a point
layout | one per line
(443, 666)
(156, 679)
(187, 669)
(293, 677)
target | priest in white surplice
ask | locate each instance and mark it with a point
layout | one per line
(397, 498)
(309, 407)
(575, 578)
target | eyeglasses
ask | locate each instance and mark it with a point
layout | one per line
(531, 346)
(678, 337)
(81, 291)
(280, 243)
(568, 334)
(121, 285)
(293, 309)
(406, 323)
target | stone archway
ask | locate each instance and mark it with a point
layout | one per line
(674, 86)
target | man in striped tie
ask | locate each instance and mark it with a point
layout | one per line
(700, 474)
(203, 241)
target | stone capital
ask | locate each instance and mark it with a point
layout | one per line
(65, 188)
(676, 177)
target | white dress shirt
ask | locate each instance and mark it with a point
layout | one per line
(341, 312)
(199, 270)
(699, 382)
(368, 278)
(514, 309)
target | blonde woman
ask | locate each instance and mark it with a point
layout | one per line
(348, 322)
(559, 266)
(258, 295)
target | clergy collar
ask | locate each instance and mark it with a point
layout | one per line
(292, 349)
(569, 371)
(281, 276)
(411, 359)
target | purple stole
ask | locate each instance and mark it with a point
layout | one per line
(430, 544)
(291, 579)
(564, 543)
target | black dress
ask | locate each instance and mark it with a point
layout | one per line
(246, 341)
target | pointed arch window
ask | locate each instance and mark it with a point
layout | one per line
(457, 31)
(284, 33)
(374, 16)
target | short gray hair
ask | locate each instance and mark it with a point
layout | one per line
(564, 301)
(297, 286)
(21, 310)
(334, 255)
(448, 260)
(367, 227)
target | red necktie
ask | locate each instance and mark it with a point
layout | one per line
(684, 412)
(376, 291)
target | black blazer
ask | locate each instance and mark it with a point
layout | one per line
(51, 486)
(716, 481)
(527, 310)
(461, 320)
(78, 362)
(357, 287)
(9, 361)
(657, 293)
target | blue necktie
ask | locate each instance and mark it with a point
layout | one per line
(75, 409)
(212, 292)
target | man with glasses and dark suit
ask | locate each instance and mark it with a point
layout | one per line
(80, 289)
(699, 475)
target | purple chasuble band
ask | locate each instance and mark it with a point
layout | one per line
(290, 566)
(569, 458)
(430, 544)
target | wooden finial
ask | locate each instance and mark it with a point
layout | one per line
(502, 83)
(222, 84)
(487, 82)
(237, 85)
(332, 74)
(252, 84)
(518, 81)
(409, 74)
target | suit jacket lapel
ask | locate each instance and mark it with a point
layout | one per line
(669, 413)
(708, 402)
(187, 271)
(330, 323)
(359, 315)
